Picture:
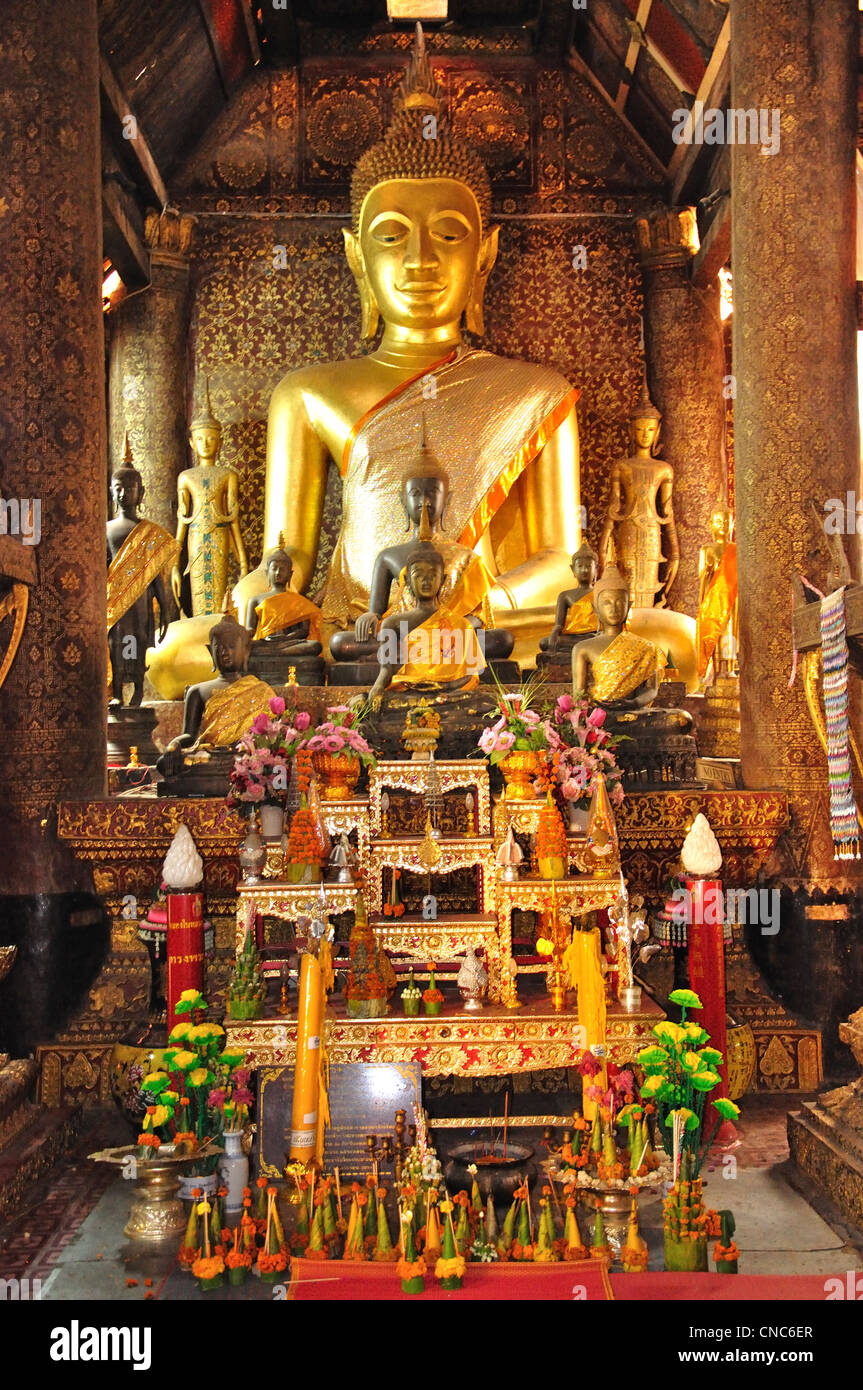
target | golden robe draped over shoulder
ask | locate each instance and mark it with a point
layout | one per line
(147, 550)
(626, 664)
(284, 610)
(582, 615)
(488, 420)
(229, 712)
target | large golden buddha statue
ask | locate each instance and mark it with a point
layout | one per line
(421, 248)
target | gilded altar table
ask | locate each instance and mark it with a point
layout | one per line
(496, 1042)
(453, 774)
(573, 897)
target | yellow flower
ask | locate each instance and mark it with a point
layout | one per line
(189, 994)
(199, 1077)
(184, 1060)
(154, 1079)
(544, 947)
(161, 1116)
(179, 1032)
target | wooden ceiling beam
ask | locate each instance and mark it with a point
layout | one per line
(711, 92)
(584, 70)
(636, 43)
(120, 239)
(715, 248)
(139, 156)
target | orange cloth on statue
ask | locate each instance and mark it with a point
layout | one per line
(147, 550)
(444, 648)
(581, 616)
(718, 605)
(279, 611)
(229, 712)
(626, 664)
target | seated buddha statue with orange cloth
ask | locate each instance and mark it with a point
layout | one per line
(575, 615)
(616, 668)
(430, 646)
(281, 616)
(217, 712)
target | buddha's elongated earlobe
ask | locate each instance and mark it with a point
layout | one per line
(368, 303)
(473, 314)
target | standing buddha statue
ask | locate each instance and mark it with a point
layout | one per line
(208, 521)
(640, 512)
(421, 249)
(716, 624)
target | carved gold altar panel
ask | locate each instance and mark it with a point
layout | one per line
(453, 775)
(289, 901)
(444, 938)
(574, 897)
(494, 1043)
(455, 853)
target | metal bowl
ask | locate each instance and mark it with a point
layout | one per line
(494, 1174)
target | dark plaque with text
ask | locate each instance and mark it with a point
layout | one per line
(363, 1096)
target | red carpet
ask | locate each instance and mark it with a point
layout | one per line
(749, 1288)
(343, 1281)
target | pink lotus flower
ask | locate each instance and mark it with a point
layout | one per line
(564, 703)
(255, 792)
(504, 741)
(261, 724)
(302, 721)
(596, 718)
(277, 705)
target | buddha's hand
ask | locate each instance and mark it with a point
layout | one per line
(366, 626)
(554, 635)
(176, 584)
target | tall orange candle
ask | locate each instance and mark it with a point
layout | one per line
(307, 1073)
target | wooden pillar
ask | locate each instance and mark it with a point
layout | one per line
(685, 367)
(147, 371)
(794, 357)
(52, 415)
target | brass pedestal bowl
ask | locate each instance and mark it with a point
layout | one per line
(494, 1174)
(156, 1213)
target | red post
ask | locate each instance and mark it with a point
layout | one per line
(185, 947)
(706, 950)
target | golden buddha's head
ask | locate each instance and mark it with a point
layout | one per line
(584, 565)
(611, 598)
(425, 571)
(279, 567)
(230, 645)
(721, 520)
(421, 248)
(644, 423)
(205, 431)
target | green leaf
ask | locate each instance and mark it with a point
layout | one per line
(710, 1057)
(652, 1056)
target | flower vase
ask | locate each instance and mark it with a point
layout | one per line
(578, 818)
(686, 1256)
(551, 866)
(272, 820)
(234, 1171)
(338, 774)
(520, 771)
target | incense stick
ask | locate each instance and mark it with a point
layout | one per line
(505, 1120)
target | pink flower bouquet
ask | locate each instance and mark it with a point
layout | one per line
(261, 766)
(340, 733)
(518, 728)
(580, 748)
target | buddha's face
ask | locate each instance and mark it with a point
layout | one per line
(612, 606)
(644, 431)
(720, 526)
(229, 651)
(420, 243)
(425, 579)
(127, 493)
(206, 440)
(429, 490)
(584, 572)
(279, 573)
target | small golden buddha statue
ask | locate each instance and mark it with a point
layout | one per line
(616, 669)
(282, 617)
(640, 512)
(421, 248)
(427, 647)
(575, 615)
(217, 712)
(208, 521)
(467, 583)
(137, 553)
(716, 624)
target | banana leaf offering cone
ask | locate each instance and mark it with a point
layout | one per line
(384, 1249)
(450, 1267)
(522, 1246)
(462, 1228)
(725, 1251)
(317, 1246)
(507, 1237)
(354, 1245)
(599, 1247)
(189, 1247)
(491, 1230)
(433, 1246)
(544, 1250)
(575, 1248)
(411, 1267)
(634, 1252)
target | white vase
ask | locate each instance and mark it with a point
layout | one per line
(234, 1171)
(272, 821)
(578, 819)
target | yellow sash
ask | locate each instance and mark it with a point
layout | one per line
(582, 615)
(146, 551)
(284, 610)
(582, 958)
(626, 663)
(229, 712)
(717, 607)
(442, 649)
